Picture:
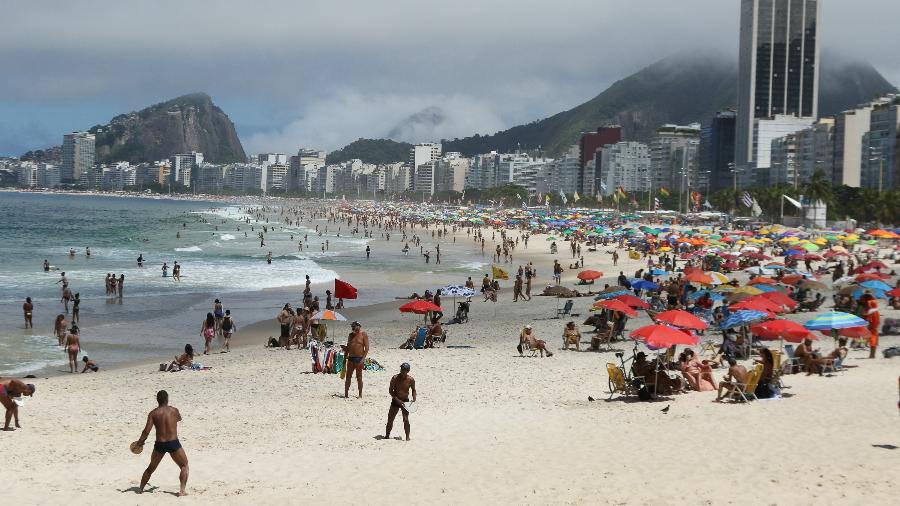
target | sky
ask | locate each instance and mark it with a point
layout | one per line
(324, 73)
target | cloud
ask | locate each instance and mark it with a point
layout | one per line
(332, 122)
(278, 67)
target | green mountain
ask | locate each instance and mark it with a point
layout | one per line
(680, 89)
(371, 151)
(184, 124)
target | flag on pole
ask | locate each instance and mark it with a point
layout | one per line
(603, 186)
(664, 191)
(563, 196)
(656, 203)
(707, 204)
(547, 199)
(747, 199)
(344, 290)
(756, 210)
(499, 273)
(795, 203)
(575, 197)
(621, 192)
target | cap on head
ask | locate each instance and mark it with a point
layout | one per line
(404, 366)
(528, 326)
(355, 324)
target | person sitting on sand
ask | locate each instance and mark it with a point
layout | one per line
(657, 380)
(733, 381)
(9, 390)
(529, 338)
(571, 335)
(89, 365)
(185, 361)
(434, 332)
(839, 353)
(698, 375)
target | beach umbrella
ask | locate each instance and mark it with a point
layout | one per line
(642, 284)
(875, 285)
(615, 305)
(759, 270)
(328, 314)
(715, 296)
(589, 275)
(743, 317)
(791, 332)
(698, 276)
(632, 301)
(659, 272)
(835, 320)
(859, 292)
(853, 332)
(419, 307)
(755, 304)
(749, 290)
(761, 280)
(718, 278)
(457, 291)
(869, 276)
(681, 319)
(810, 284)
(780, 299)
(893, 293)
(610, 295)
(663, 336)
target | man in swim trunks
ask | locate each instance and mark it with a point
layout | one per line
(165, 419)
(357, 349)
(8, 390)
(28, 308)
(401, 384)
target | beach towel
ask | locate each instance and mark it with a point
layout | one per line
(316, 362)
(420, 338)
(372, 365)
(339, 364)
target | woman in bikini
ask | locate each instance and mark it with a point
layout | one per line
(698, 375)
(59, 328)
(208, 331)
(72, 346)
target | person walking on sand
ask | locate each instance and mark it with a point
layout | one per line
(72, 346)
(400, 387)
(165, 420)
(208, 331)
(10, 389)
(228, 329)
(27, 309)
(357, 349)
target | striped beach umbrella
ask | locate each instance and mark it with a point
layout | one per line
(835, 320)
(743, 317)
(328, 314)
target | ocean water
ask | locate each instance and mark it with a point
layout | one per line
(220, 257)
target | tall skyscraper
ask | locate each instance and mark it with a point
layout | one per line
(421, 154)
(77, 157)
(778, 67)
(590, 143)
(717, 150)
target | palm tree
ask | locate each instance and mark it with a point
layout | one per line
(724, 200)
(819, 189)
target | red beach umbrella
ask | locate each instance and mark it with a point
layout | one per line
(778, 298)
(855, 332)
(682, 319)
(791, 332)
(763, 305)
(699, 277)
(631, 300)
(663, 336)
(419, 307)
(615, 305)
(589, 275)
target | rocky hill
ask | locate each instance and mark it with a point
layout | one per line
(184, 124)
(371, 151)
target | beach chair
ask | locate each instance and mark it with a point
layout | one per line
(602, 336)
(618, 382)
(746, 391)
(792, 362)
(776, 369)
(710, 346)
(566, 310)
(420, 338)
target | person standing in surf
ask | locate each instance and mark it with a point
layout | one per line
(27, 309)
(165, 270)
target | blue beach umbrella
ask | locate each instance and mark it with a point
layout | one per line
(878, 294)
(835, 320)
(715, 296)
(874, 284)
(743, 317)
(610, 295)
(659, 272)
(642, 284)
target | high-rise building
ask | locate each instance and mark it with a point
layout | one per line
(674, 157)
(451, 172)
(268, 158)
(878, 147)
(849, 128)
(181, 167)
(764, 132)
(590, 143)
(483, 171)
(717, 150)
(795, 157)
(626, 165)
(778, 68)
(77, 157)
(422, 154)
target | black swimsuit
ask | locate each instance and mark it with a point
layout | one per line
(167, 446)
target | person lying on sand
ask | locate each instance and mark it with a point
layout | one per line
(185, 361)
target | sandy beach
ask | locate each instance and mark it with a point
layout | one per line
(491, 427)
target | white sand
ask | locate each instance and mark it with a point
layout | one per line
(491, 428)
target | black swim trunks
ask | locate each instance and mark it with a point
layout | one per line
(167, 446)
(356, 360)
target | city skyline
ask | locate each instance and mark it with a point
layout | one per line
(285, 87)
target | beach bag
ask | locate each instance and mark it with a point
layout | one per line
(893, 351)
(891, 326)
